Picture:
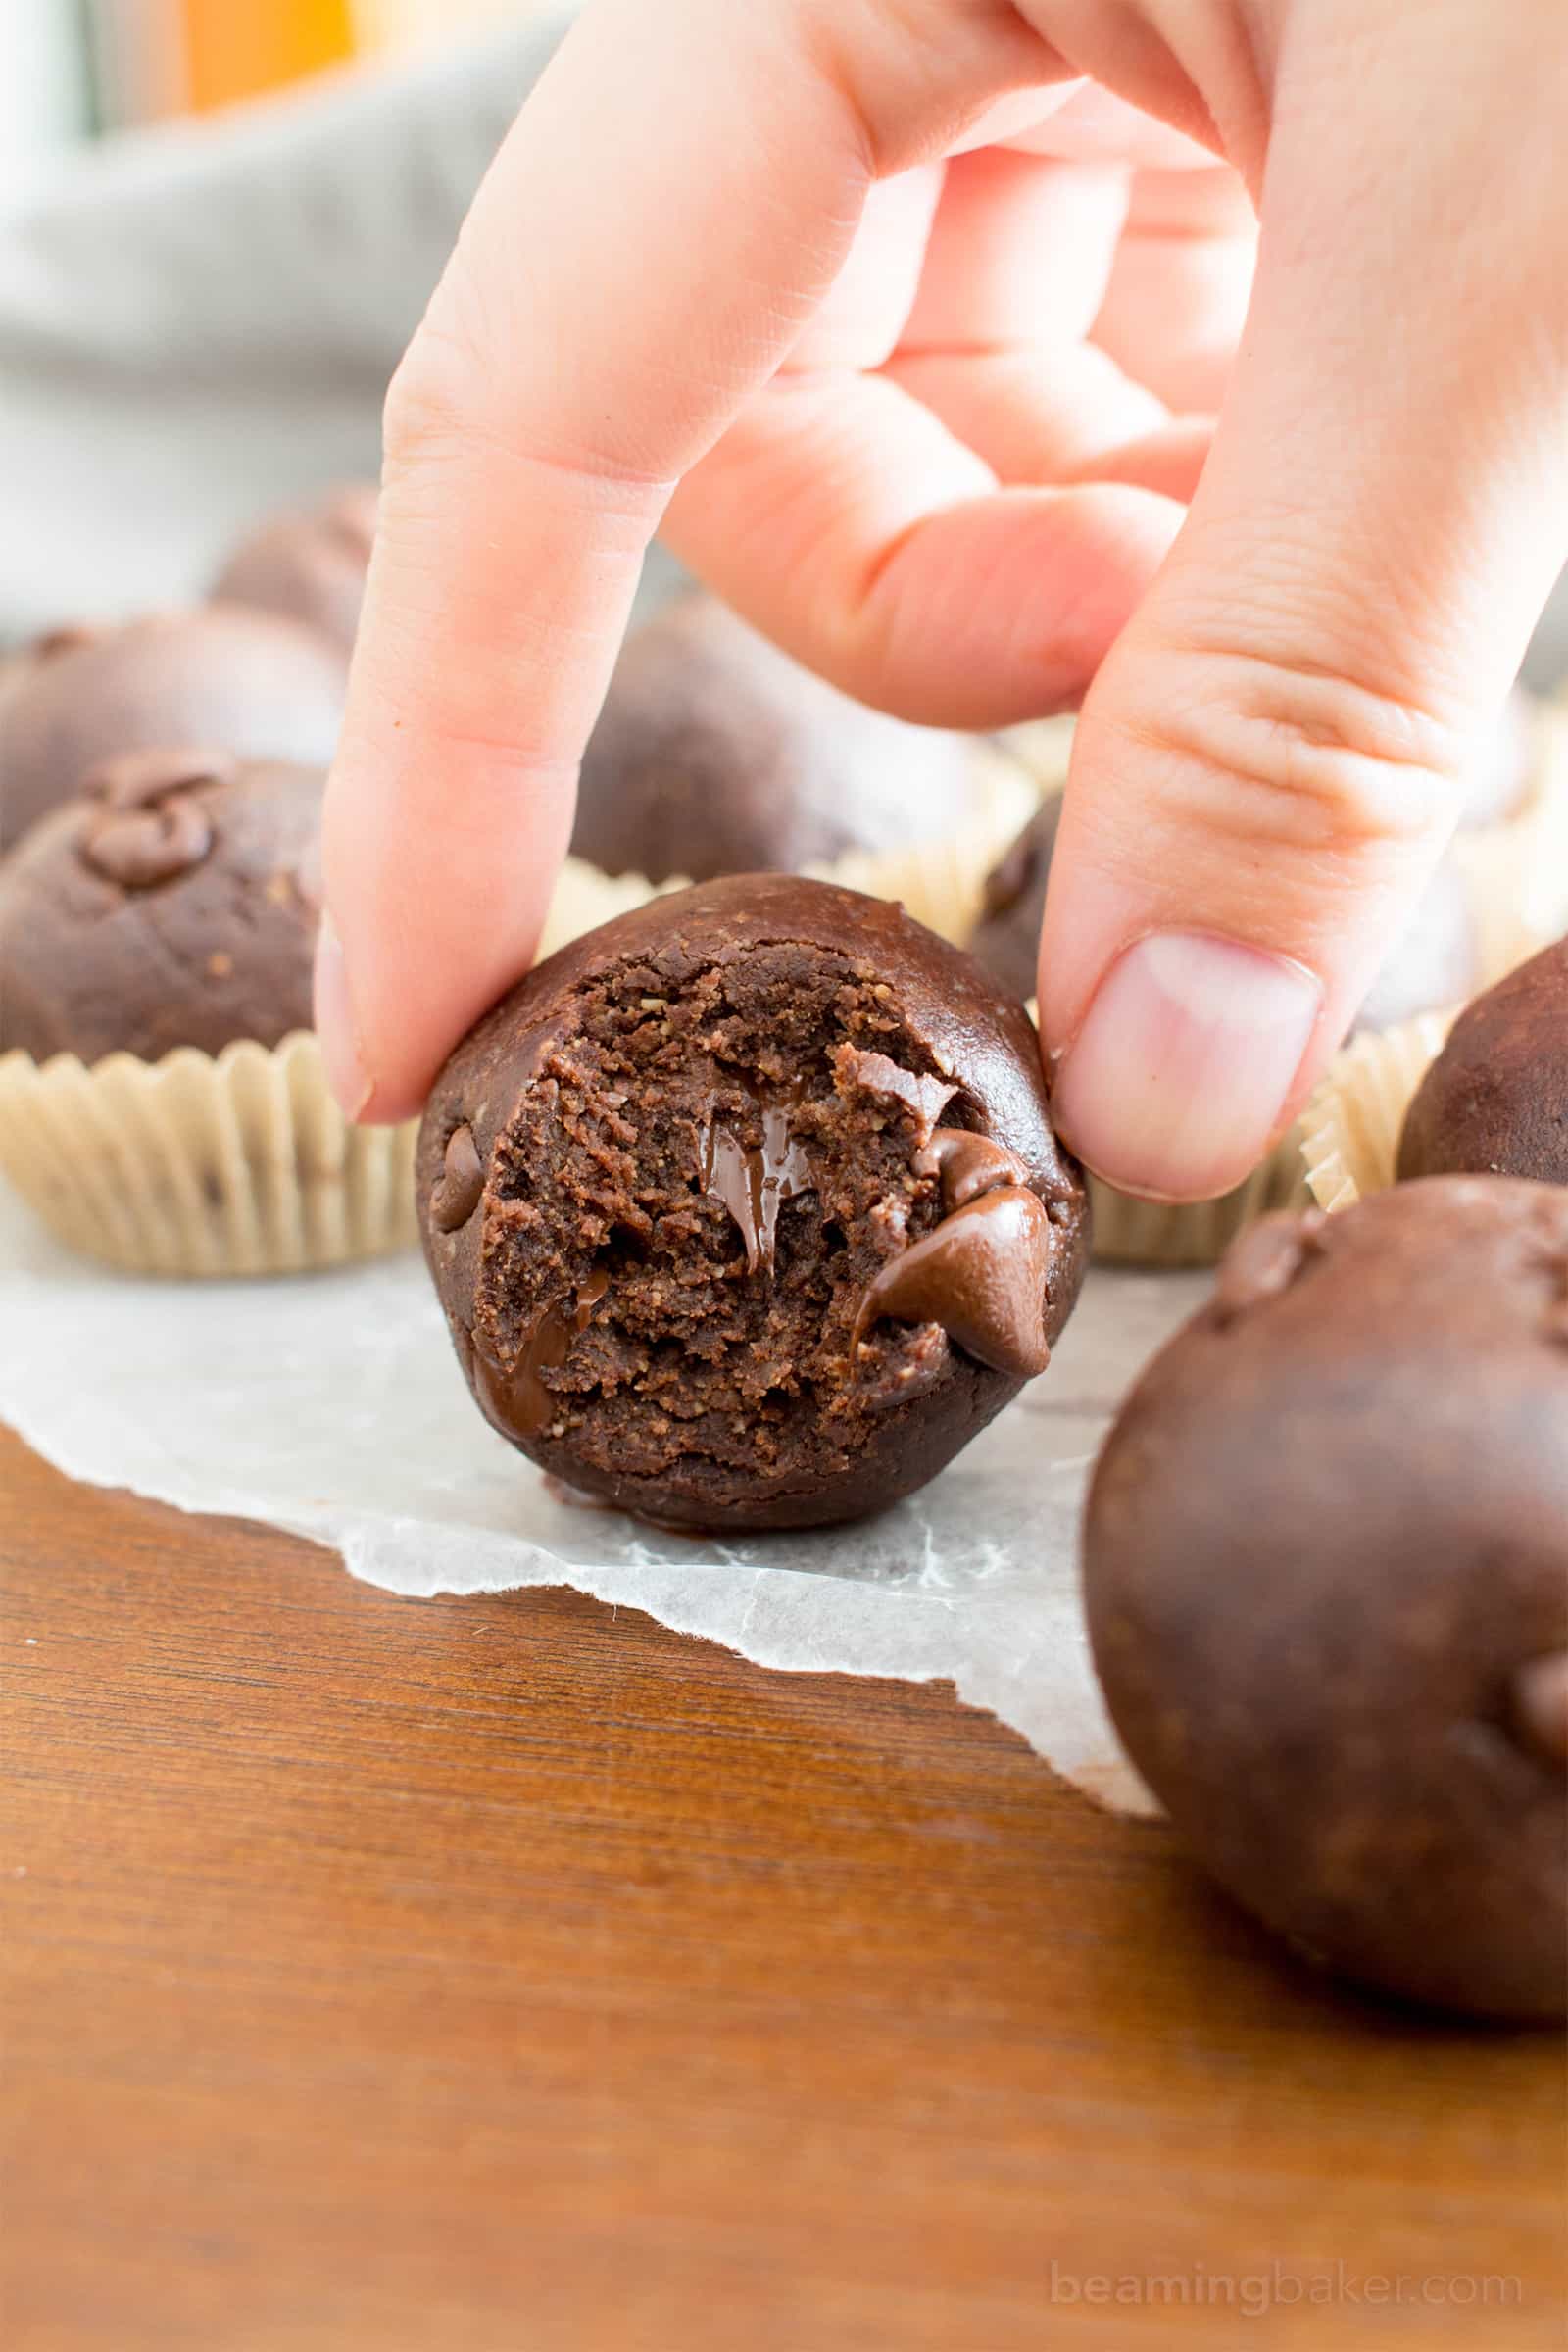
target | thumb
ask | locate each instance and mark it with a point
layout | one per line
(1267, 766)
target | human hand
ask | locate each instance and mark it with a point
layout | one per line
(907, 330)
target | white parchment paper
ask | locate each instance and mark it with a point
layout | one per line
(332, 1407)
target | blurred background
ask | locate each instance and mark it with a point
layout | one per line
(72, 70)
(153, 395)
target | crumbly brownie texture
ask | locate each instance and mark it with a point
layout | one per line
(1495, 1099)
(746, 1209)
(250, 683)
(1325, 1559)
(309, 563)
(715, 753)
(175, 903)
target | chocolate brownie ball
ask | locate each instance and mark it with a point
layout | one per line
(174, 902)
(307, 562)
(251, 683)
(1495, 1099)
(1324, 1565)
(1436, 961)
(745, 1211)
(715, 753)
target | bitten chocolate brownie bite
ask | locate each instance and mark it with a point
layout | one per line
(745, 1211)
(307, 562)
(249, 683)
(174, 902)
(1495, 1099)
(715, 753)
(1326, 1567)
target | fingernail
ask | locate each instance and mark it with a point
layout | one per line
(1178, 1079)
(334, 1025)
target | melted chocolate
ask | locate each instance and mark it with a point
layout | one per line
(983, 1273)
(968, 1165)
(754, 1184)
(456, 1192)
(517, 1400)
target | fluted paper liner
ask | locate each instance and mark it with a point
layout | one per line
(1192, 1233)
(238, 1163)
(242, 1163)
(1349, 1135)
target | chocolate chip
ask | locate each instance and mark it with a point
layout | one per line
(141, 779)
(142, 848)
(150, 832)
(456, 1195)
(1263, 1262)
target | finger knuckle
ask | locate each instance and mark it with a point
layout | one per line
(1284, 755)
(454, 403)
(428, 409)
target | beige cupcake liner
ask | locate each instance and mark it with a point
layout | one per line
(1193, 1233)
(243, 1164)
(196, 1166)
(1349, 1131)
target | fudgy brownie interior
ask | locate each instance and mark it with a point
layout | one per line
(705, 1179)
(746, 1209)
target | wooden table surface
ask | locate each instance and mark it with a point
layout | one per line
(510, 1976)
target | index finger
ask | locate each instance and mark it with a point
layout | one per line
(675, 199)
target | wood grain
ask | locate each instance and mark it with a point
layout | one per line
(510, 1976)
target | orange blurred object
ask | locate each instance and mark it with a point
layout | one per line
(236, 48)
